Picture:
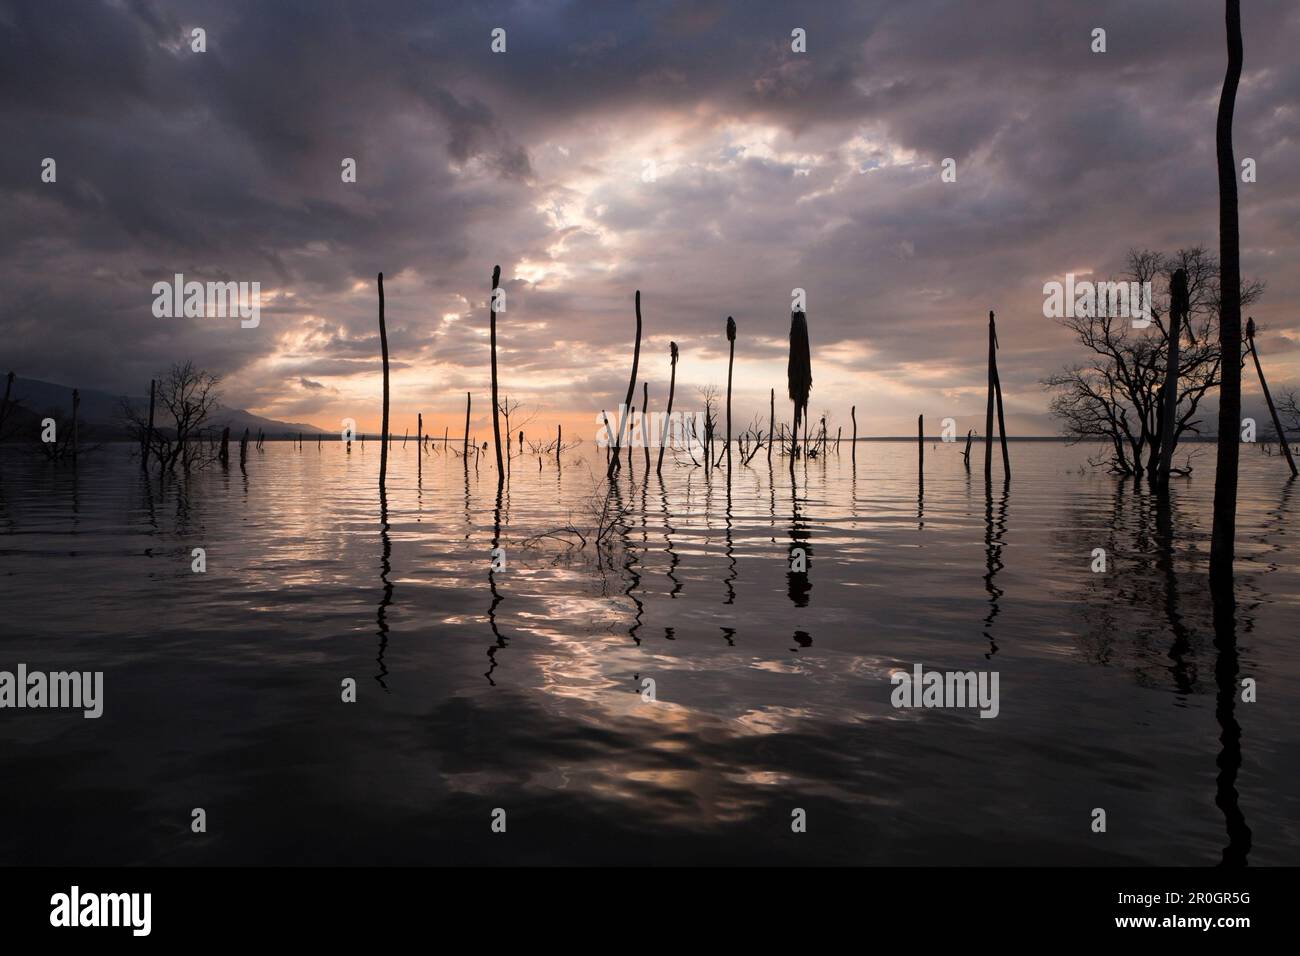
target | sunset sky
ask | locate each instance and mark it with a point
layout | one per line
(677, 148)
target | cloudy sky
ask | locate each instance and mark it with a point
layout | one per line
(679, 148)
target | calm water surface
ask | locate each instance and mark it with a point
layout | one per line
(521, 689)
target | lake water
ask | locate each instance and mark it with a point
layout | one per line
(523, 689)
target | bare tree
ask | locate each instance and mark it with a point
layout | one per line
(709, 393)
(1116, 397)
(188, 397)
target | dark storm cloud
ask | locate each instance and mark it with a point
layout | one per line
(819, 171)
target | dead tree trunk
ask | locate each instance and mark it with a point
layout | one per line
(920, 442)
(631, 390)
(994, 398)
(1224, 532)
(465, 447)
(731, 362)
(383, 437)
(631, 419)
(645, 424)
(1268, 397)
(496, 408)
(672, 386)
(853, 453)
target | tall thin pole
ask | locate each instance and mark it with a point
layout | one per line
(383, 344)
(465, 448)
(419, 445)
(496, 408)
(731, 361)
(1224, 531)
(997, 391)
(645, 424)
(920, 442)
(853, 414)
(631, 389)
(631, 417)
(988, 410)
(672, 385)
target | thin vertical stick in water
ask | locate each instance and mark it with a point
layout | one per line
(631, 388)
(771, 419)
(148, 435)
(965, 455)
(853, 414)
(920, 441)
(997, 391)
(631, 420)
(1268, 397)
(988, 410)
(223, 454)
(243, 452)
(419, 445)
(1178, 304)
(559, 443)
(672, 385)
(645, 424)
(496, 408)
(731, 361)
(465, 447)
(383, 344)
(1223, 534)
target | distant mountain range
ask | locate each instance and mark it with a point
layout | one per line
(100, 418)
